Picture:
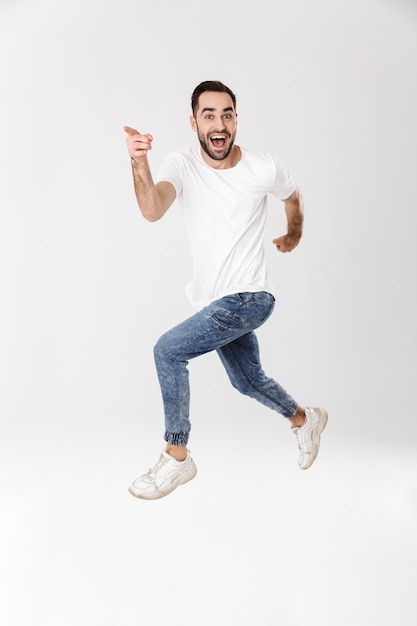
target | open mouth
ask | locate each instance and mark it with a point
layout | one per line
(218, 141)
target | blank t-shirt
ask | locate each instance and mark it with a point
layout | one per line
(225, 214)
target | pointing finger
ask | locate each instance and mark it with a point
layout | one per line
(130, 131)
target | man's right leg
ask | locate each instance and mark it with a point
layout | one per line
(175, 465)
(193, 337)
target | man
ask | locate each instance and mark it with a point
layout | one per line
(223, 190)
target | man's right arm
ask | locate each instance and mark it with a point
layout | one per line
(153, 200)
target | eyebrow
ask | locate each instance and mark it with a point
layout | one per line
(213, 109)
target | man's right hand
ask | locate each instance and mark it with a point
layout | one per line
(137, 144)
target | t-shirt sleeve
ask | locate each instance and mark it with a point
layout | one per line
(171, 171)
(284, 184)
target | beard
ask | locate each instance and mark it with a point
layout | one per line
(213, 155)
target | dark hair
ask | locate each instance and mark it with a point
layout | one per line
(210, 85)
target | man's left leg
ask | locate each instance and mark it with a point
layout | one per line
(242, 362)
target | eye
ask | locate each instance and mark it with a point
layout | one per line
(227, 116)
(209, 117)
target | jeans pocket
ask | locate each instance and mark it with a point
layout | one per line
(226, 320)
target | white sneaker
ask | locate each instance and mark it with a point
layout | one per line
(164, 477)
(308, 436)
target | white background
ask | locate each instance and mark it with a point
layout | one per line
(87, 286)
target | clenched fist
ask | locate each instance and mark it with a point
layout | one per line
(286, 243)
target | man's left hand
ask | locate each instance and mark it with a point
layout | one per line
(286, 243)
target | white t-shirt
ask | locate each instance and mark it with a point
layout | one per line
(225, 213)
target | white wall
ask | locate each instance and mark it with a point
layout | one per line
(87, 286)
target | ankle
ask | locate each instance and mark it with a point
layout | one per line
(299, 418)
(178, 452)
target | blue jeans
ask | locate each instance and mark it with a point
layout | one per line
(226, 326)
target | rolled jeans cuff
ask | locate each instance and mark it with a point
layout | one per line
(292, 409)
(176, 439)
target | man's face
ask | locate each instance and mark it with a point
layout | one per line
(215, 123)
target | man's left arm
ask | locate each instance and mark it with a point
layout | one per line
(294, 210)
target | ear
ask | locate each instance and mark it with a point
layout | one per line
(193, 123)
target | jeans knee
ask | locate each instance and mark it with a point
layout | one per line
(167, 349)
(160, 350)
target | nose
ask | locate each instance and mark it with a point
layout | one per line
(220, 124)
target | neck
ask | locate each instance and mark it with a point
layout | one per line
(230, 161)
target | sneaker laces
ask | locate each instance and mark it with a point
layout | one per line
(163, 460)
(302, 444)
(151, 473)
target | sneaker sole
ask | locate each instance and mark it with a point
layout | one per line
(161, 494)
